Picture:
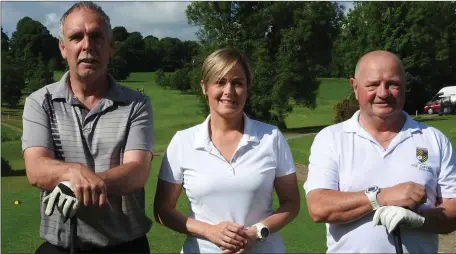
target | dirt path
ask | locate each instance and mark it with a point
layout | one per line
(447, 243)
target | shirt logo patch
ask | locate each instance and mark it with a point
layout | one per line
(422, 154)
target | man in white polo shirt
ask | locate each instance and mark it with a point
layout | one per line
(365, 172)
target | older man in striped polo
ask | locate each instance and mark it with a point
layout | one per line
(94, 136)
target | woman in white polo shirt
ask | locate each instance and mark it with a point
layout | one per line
(228, 167)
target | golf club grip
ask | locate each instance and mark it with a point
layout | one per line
(397, 240)
(73, 235)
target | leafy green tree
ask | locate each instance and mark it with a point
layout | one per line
(345, 108)
(119, 33)
(150, 53)
(189, 50)
(5, 42)
(31, 49)
(40, 76)
(54, 64)
(12, 81)
(172, 54)
(287, 42)
(134, 55)
(153, 53)
(181, 80)
(12, 78)
(118, 68)
(421, 34)
(31, 39)
(160, 78)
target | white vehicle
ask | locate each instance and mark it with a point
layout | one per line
(446, 91)
(447, 97)
(444, 102)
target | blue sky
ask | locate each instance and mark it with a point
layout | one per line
(160, 19)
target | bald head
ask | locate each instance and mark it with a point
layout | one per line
(379, 85)
(379, 57)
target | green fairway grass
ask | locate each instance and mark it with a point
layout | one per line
(300, 148)
(20, 223)
(9, 134)
(12, 152)
(331, 91)
(12, 117)
(175, 111)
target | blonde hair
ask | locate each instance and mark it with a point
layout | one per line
(220, 62)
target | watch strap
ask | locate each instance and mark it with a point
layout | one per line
(260, 226)
(372, 196)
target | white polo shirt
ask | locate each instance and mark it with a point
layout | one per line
(344, 157)
(239, 191)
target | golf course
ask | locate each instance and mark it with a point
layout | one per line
(173, 111)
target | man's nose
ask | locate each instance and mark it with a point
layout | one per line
(87, 44)
(383, 90)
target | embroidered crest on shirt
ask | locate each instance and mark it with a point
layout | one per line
(422, 154)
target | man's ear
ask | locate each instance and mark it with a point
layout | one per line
(62, 49)
(354, 86)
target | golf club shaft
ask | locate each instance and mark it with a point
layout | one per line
(397, 241)
(73, 234)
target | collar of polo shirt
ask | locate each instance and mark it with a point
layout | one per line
(353, 126)
(203, 141)
(63, 92)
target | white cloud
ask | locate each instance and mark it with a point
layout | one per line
(151, 12)
(52, 22)
(159, 19)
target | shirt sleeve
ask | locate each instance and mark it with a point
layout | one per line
(323, 166)
(170, 169)
(285, 162)
(140, 135)
(447, 176)
(36, 128)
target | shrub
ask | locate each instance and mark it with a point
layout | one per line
(345, 108)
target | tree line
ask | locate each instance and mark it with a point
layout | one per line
(290, 44)
(293, 44)
(31, 55)
(422, 34)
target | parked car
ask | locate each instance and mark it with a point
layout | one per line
(432, 107)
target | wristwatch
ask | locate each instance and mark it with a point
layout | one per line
(371, 193)
(262, 231)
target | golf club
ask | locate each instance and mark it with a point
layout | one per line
(73, 234)
(397, 240)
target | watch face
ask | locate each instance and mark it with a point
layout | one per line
(372, 189)
(264, 232)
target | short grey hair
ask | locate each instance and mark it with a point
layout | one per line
(87, 5)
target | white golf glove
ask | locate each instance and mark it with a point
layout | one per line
(392, 216)
(63, 197)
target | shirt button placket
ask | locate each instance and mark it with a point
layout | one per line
(232, 165)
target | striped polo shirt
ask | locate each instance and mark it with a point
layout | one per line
(54, 118)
